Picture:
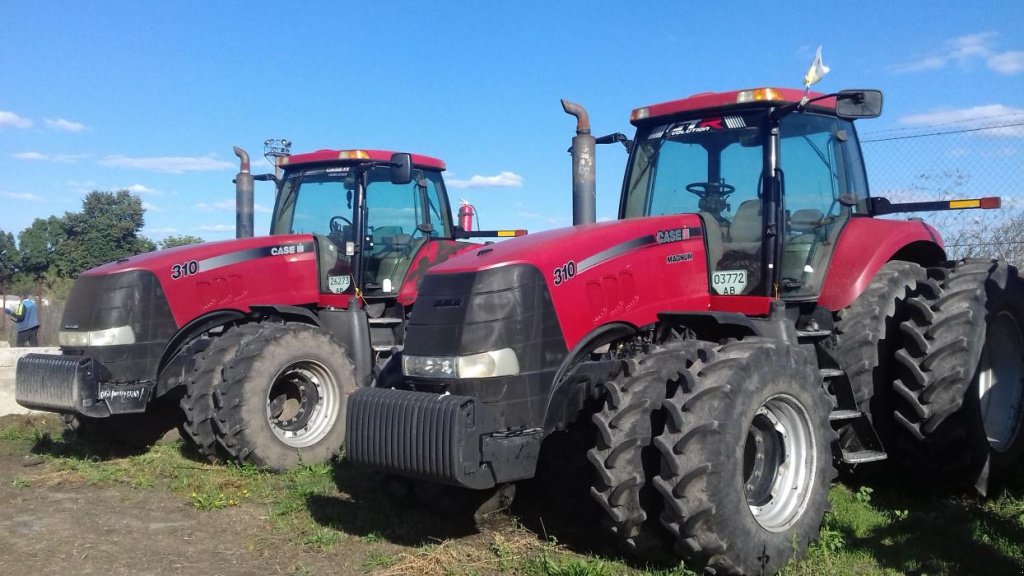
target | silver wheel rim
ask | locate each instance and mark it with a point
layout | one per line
(1000, 382)
(302, 403)
(779, 462)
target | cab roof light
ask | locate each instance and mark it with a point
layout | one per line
(511, 233)
(639, 114)
(758, 95)
(353, 155)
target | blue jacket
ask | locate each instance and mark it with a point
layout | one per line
(26, 315)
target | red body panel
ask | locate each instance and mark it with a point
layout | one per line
(233, 274)
(622, 272)
(865, 245)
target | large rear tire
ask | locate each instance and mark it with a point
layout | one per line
(622, 454)
(746, 458)
(284, 397)
(868, 332)
(207, 373)
(961, 370)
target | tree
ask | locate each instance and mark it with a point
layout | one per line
(106, 230)
(9, 260)
(38, 243)
(183, 240)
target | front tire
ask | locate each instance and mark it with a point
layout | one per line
(622, 452)
(284, 398)
(207, 373)
(746, 458)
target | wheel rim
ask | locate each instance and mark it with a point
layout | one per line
(302, 404)
(779, 460)
(1000, 382)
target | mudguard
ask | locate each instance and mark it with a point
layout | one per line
(865, 245)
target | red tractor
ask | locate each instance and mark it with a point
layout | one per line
(745, 327)
(261, 340)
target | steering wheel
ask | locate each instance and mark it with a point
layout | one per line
(704, 189)
(336, 227)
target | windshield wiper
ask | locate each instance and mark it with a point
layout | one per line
(653, 157)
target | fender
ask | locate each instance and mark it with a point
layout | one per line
(865, 245)
(567, 396)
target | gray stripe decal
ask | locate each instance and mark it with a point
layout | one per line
(614, 251)
(249, 254)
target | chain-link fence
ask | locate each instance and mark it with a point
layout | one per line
(973, 158)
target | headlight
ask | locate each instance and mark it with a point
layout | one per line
(484, 365)
(108, 337)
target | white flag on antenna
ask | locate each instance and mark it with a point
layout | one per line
(817, 70)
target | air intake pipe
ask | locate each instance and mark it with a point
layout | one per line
(584, 186)
(243, 197)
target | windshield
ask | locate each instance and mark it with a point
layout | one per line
(713, 166)
(400, 218)
(311, 199)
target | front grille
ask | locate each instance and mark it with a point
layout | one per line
(54, 382)
(410, 433)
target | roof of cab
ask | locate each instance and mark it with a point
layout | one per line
(733, 98)
(357, 155)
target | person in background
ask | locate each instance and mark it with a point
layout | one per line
(26, 322)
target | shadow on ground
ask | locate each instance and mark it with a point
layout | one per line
(931, 532)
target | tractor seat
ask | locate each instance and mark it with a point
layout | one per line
(805, 221)
(745, 232)
(713, 236)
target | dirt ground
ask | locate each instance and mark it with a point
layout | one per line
(51, 526)
(53, 522)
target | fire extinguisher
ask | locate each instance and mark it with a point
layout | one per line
(466, 212)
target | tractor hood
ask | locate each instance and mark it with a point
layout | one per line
(233, 274)
(623, 271)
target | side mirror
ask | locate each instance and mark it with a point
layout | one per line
(854, 104)
(401, 168)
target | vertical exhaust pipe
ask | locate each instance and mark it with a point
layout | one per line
(584, 183)
(243, 197)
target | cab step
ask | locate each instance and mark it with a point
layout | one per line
(863, 456)
(830, 372)
(840, 415)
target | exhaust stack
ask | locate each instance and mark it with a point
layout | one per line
(243, 197)
(584, 183)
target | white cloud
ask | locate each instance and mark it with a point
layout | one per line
(1007, 63)
(151, 207)
(168, 164)
(502, 180)
(64, 125)
(965, 51)
(40, 157)
(990, 114)
(13, 120)
(143, 190)
(21, 196)
(216, 228)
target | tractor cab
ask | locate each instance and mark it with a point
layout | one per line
(368, 217)
(774, 175)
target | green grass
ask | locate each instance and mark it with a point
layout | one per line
(871, 530)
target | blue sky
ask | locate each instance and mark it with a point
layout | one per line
(152, 96)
